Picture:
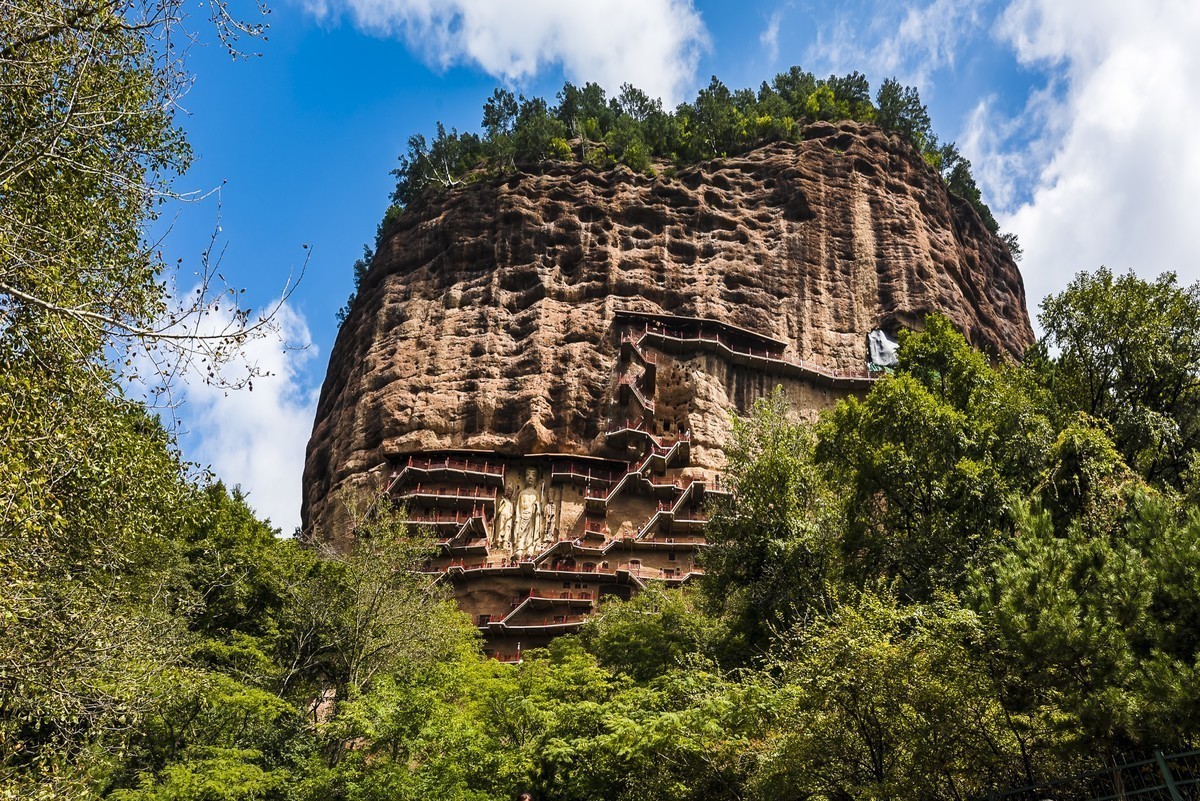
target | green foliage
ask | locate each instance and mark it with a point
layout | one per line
(886, 701)
(1079, 637)
(648, 636)
(899, 108)
(624, 141)
(157, 641)
(1130, 355)
(1086, 479)
(633, 129)
(86, 144)
(929, 460)
(536, 132)
(444, 163)
(960, 181)
(1086, 649)
(360, 272)
(373, 614)
(773, 557)
(91, 492)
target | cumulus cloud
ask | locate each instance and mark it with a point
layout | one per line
(653, 44)
(1115, 172)
(256, 438)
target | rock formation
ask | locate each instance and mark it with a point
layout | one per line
(549, 349)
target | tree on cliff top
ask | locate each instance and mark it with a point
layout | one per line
(634, 130)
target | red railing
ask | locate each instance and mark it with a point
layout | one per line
(563, 568)
(631, 382)
(663, 443)
(636, 470)
(559, 595)
(598, 494)
(462, 465)
(556, 620)
(627, 425)
(486, 564)
(587, 473)
(648, 358)
(455, 518)
(475, 493)
(753, 353)
(641, 571)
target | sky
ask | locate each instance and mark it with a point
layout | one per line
(1080, 118)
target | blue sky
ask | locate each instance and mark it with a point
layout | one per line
(1080, 117)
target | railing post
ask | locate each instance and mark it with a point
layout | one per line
(1168, 779)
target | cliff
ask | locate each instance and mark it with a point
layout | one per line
(488, 320)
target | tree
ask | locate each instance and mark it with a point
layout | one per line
(646, 637)
(711, 122)
(360, 272)
(773, 549)
(442, 165)
(886, 701)
(625, 143)
(1129, 353)
(91, 599)
(538, 136)
(853, 92)
(1069, 610)
(499, 119)
(961, 183)
(795, 86)
(369, 612)
(88, 148)
(928, 460)
(635, 103)
(585, 111)
(899, 109)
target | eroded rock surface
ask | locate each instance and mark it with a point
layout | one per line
(488, 319)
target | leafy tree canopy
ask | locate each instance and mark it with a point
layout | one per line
(1129, 354)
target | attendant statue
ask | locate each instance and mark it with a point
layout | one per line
(527, 527)
(550, 529)
(502, 526)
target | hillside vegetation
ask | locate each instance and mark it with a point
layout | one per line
(977, 576)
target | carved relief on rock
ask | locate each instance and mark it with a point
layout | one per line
(527, 515)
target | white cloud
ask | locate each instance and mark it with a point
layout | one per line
(908, 43)
(653, 44)
(769, 38)
(256, 438)
(1115, 169)
(1007, 173)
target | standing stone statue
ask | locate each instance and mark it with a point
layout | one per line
(502, 526)
(549, 529)
(527, 527)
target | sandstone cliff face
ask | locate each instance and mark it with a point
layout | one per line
(487, 319)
